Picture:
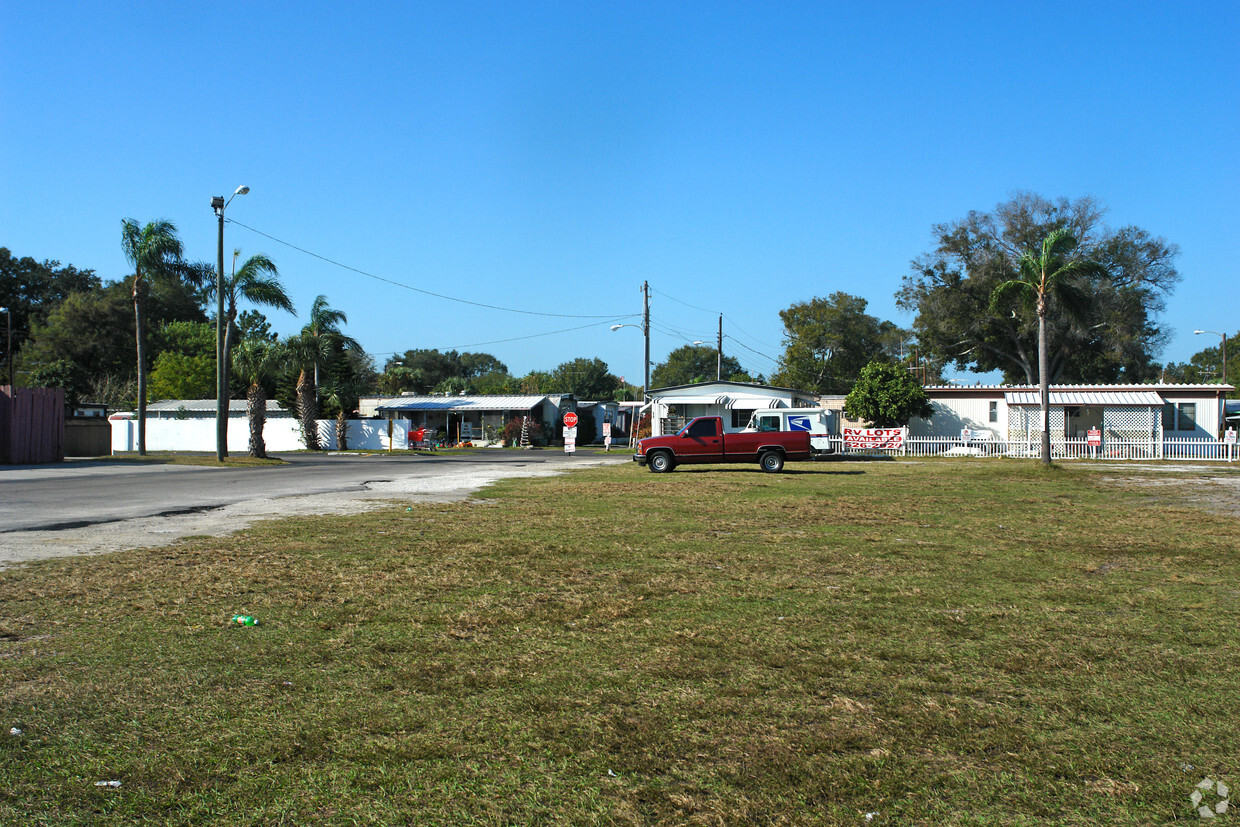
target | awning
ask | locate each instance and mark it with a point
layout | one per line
(1143, 399)
(725, 401)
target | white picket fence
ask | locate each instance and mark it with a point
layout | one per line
(1177, 449)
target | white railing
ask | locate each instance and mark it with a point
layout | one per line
(1110, 449)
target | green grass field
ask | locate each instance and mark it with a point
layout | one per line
(922, 642)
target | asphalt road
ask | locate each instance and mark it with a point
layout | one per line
(84, 507)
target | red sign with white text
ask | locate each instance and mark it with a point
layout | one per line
(874, 438)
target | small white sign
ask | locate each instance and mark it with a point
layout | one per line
(966, 434)
(1229, 437)
(570, 440)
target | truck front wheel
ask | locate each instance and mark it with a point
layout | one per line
(660, 462)
(772, 462)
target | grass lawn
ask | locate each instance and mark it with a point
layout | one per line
(924, 642)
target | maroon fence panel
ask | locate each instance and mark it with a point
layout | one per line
(32, 425)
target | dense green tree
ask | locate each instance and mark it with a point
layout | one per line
(585, 379)
(828, 341)
(31, 290)
(1114, 339)
(537, 382)
(253, 325)
(421, 371)
(887, 395)
(178, 376)
(62, 374)
(692, 364)
(1048, 277)
(91, 330)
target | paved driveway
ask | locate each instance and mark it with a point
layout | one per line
(94, 507)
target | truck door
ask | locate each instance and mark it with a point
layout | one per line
(700, 440)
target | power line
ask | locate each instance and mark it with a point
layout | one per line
(411, 287)
(678, 301)
(538, 335)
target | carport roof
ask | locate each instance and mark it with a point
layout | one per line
(1092, 398)
(461, 403)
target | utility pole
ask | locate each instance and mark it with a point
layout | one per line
(646, 331)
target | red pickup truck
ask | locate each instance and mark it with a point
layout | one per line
(703, 440)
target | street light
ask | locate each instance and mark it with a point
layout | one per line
(1222, 336)
(221, 393)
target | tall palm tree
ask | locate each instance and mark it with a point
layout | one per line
(303, 352)
(1042, 276)
(324, 329)
(258, 282)
(155, 252)
(257, 362)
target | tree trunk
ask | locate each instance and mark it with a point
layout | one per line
(141, 348)
(256, 404)
(1044, 386)
(308, 411)
(342, 431)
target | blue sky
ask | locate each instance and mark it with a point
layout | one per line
(551, 157)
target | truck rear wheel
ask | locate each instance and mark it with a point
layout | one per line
(771, 461)
(660, 462)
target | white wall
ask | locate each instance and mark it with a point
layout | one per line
(281, 434)
(953, 415)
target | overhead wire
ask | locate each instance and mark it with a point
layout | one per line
(423, 291)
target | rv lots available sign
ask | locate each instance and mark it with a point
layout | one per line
(874, 437)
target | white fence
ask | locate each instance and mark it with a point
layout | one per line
(1178, 449)
(280, 434)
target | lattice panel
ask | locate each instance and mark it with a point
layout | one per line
(1025, 423)
(1130, 423)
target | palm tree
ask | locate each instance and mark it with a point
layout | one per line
(303, 351)
(324, 329)
(257, 361)
(155, 252)
(258, 282)
(343, 390)
(1042, 276)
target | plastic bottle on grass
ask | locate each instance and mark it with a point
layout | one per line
(245, 620)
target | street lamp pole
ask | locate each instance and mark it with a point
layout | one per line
(221, 392)
(1222, 336)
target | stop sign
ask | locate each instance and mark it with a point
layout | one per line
(570, 419)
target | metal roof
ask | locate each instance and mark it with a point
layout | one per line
(1082, 397)
(1146, 386)
(461, 403)
(206, 406)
